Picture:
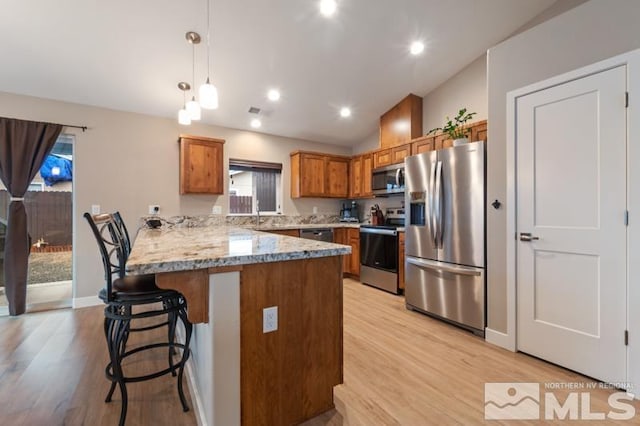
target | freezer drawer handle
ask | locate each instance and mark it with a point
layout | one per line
(526, 236)
(446, 268)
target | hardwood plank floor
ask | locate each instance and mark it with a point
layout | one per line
(405, 368)
(400, 368)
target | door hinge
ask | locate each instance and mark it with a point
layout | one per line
(626, 99)
(626, 337)
(626, 218)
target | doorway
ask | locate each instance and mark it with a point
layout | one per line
(48, 202)
(571, 232)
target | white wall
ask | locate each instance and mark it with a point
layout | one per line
(370, 143)
(468, 88)
(126, 161)
(591, 32)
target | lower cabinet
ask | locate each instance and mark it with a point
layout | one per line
(354, 242)
(401, 260)
(287, 232)
(349, 237)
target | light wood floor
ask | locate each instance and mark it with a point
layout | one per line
(400, 368)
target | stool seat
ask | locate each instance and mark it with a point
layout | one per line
(132, 286)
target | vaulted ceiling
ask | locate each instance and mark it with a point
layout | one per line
(130, 55)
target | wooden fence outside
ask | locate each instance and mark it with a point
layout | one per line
(240, 204)
(49, 216)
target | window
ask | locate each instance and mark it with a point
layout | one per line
(254, 184)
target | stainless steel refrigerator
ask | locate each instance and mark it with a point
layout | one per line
(445, 234)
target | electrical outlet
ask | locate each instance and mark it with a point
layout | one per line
(216, 210)
(154, 209)
(315, 210)
(270, 319)
(95, 209)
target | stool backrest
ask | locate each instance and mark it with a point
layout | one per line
(111, 245)
(122, 228)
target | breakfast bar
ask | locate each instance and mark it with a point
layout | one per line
(240, 372)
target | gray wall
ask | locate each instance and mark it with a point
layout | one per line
(591, 32)
(126, 161)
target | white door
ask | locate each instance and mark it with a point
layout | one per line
(571, 198)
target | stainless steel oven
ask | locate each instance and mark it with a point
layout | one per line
(388, 180)
(379, 257)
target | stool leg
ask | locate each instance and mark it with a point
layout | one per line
(108, 324)
(173, 321)
(118, 332)
(185, 356)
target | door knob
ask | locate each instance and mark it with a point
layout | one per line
(526, 236)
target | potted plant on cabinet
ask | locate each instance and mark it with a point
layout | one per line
(455, 128)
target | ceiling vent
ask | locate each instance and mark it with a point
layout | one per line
(254, 110)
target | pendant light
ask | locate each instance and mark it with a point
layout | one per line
(193, 107)
(183, 115)
(208, 92)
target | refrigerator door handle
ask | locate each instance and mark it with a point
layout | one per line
(439, 266)
(432, 219)
(438, 205)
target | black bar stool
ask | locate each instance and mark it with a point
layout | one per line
(121, 294)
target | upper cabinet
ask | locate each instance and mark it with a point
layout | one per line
(401, 123)
(319, 175)
(201, 165)
(360, 176)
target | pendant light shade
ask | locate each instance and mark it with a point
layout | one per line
(208, 95)
(183, 117)
(193, 108)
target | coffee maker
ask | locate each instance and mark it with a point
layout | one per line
(350, 212)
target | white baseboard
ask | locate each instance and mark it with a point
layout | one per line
(499, 339)
(196, 399)
(84, 302)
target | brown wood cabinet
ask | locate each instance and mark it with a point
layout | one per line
(349, 237)
(401, 123)
(201, 165)
(401, 260)
(478, 131)
(398, 153)
(319, 175)
(360, 176)
(382, 158)
(287, 232)
(422, 144)
(354, 242)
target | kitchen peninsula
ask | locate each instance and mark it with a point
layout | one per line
(239, 374)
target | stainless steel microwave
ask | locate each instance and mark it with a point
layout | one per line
(388, 180)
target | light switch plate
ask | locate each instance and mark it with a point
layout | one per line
(216, 210)
(95, 209)
(270, 319)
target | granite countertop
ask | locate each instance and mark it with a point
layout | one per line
(181, 249)
(283, 227)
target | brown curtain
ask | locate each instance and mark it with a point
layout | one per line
(24, 145)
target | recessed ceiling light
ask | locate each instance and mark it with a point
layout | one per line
(255, 123)
(273, 95)
(345, 112)
(328, 7)
(417, 47)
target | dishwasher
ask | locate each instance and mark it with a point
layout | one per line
(318, 234)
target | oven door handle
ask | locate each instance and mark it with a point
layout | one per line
(439, 266)
(378, 231)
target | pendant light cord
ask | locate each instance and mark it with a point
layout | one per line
(193, 68)
(208, 39)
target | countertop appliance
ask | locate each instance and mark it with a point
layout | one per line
(388, 180)
(319, 234)
(350, 212)
(379, 252)
(445, 235)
